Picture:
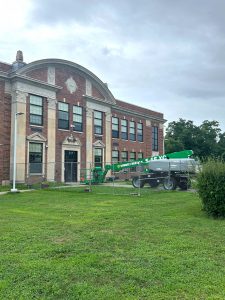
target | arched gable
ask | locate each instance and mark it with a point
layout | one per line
(48, 76)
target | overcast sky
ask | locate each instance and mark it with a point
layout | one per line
(165, 55)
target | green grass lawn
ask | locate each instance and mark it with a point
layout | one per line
(68, 244)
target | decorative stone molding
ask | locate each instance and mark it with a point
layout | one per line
(20, 97)
(71, 85)
(36, 137)
(88, 88)
(99, 144)
(71, 140)
(161, 126)
(52, 103)
(31, 89)
(148, 123)
(51, 75)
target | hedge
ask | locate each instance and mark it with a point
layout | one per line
(211, 188)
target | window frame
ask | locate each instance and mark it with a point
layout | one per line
(124, 134)
(155, 138)
(132, 136)
(78, 114)
(60, 119)
(115, 159)
(133, 159)
(98, 163)
(122, 158)
(32, 105)
(98, 126)
(142, 155)
(140, 132)
(40, 156)
(115, 133)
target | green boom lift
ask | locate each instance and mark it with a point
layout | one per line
(97, 175)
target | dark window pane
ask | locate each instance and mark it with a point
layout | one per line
(115, 133)
(35, 157)
(35, 120)
(63, 124)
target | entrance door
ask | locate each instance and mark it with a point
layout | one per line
(70, 163)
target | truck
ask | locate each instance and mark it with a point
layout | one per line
(172, 170)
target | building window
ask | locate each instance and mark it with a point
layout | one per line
(115, 156)
(140, 155)
(35, 158)
(132, 158)
(124, 134)
(98, 157)
(115, 127)
(63, 119)
(98, 122)
(36, 110)
(140, 132)
(124, 156)
(155, 141)
(77, 118)
(132, 131)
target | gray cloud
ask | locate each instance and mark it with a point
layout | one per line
(167, 55)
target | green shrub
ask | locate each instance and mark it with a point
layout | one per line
(211, 188)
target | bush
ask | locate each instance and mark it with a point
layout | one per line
(211, 188)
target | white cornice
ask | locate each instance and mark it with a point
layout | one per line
(23, 78)
(95, 99)
(142, 115)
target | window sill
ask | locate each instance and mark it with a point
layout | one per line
(36, 174)
(63, 129)
(78, 131)
(33, 125)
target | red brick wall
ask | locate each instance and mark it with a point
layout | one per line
(96, 93)
(5, 67)
(40, 74)
(139, 109)
(5, 129)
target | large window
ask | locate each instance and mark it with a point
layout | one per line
(77, 118)
(140, 132)
(98, 157)
(36, 110)
(63, 119)
(35, 158)
(115, 156)
(155, 140)
(115, 127)
(98, 122)
(124, 134)
(132, 131)
(124, 156)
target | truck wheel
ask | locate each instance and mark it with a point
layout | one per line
(137, 182)
(169, 184)
(184, 185)
(153, 183)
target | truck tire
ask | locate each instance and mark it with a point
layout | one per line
(169, 183)
(184, 185)
(153, 183)
(137, 182)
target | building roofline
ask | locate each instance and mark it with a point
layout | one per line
(52, 61)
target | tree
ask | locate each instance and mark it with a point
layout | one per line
(205, 140)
